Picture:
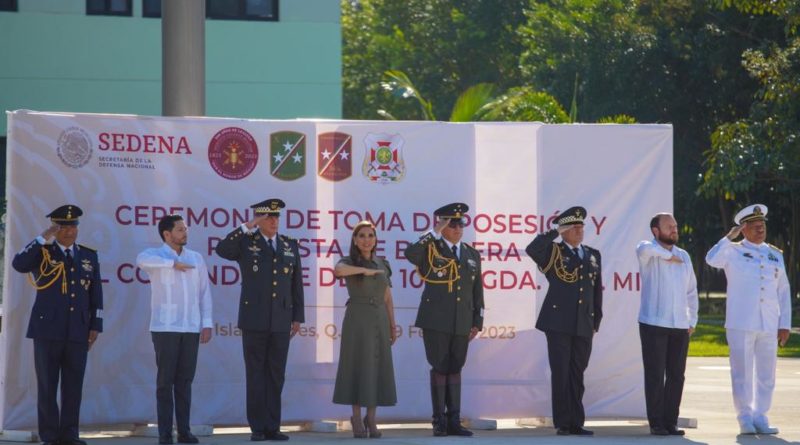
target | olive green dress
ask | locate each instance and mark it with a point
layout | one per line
(366, 374)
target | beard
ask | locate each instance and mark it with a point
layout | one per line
(668, 240)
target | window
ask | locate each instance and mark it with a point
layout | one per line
(109, 7)
(151, 8)
(8, 5)
(225, 9)
(242, 9)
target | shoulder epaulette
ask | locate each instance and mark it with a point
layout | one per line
(469, 247)
(87, 248)
(775, 247)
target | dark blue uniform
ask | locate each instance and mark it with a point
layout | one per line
(69, 303)
(569, 316)
(271, 299)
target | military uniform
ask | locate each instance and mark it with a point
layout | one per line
(758, 305)
(451, 305)
(569, 316)
(271, 299)
(68, 305)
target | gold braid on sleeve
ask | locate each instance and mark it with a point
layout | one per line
(449, 271)
(49, 269)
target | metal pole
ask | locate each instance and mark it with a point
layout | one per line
(183, 57)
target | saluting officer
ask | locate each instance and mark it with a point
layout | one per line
(570, 314)
(271, 309)
(65, 320)
(758, 314)
(450, 311)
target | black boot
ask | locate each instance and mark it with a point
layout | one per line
(438, 390)
(453, 401)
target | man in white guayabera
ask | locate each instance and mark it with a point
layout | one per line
(667, 317)
(179, 321)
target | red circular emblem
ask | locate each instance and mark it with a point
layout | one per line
(233, 153)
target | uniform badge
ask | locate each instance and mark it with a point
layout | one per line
(288, 252)
(285, 270)
(472, 263)
(254, 249)
(255, 268)
(772, 257)
(593, 260)
(440, 274)
(747, 255)
(87, 265)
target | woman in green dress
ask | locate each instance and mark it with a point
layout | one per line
(366, 375)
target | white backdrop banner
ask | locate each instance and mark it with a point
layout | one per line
(128, 171)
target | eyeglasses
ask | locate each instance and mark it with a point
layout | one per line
(455, 223)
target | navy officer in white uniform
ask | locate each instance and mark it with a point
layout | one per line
(758, 314)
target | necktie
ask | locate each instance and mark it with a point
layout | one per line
(577, 253)
(271, 247)
(68, 253)
(455, 252)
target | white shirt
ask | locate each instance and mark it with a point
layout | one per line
(180, 301)
(669, 290)
(758, 289)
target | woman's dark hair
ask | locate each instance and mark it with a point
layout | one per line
(355, 254)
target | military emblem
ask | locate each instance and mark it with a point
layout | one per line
(254, 249)
(772, 257)
(74, 147)
(287, 155)
(87, 265)
(383, 161)
(233, 153)
(334, 156)
(747, 255)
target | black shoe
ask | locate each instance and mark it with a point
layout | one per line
(276, 435)
(458, 430)
(563, 431)
(580, 431)
(165, 439)
(439, 426)
(258, 437)
(674, 431)
(71, 442)
(659, 431)
(50, 442)
(187, 438)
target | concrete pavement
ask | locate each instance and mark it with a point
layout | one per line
(707, 397)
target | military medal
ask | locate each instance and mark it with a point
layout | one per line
(285, 270)
(255, 268)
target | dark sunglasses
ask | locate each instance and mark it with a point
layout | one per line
(455, 223)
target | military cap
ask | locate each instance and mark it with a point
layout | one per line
(755, 212)
(66, 215)
(455, 210)
(573, 215)
(270, 206)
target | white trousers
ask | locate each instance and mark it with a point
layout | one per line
(753, 361)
